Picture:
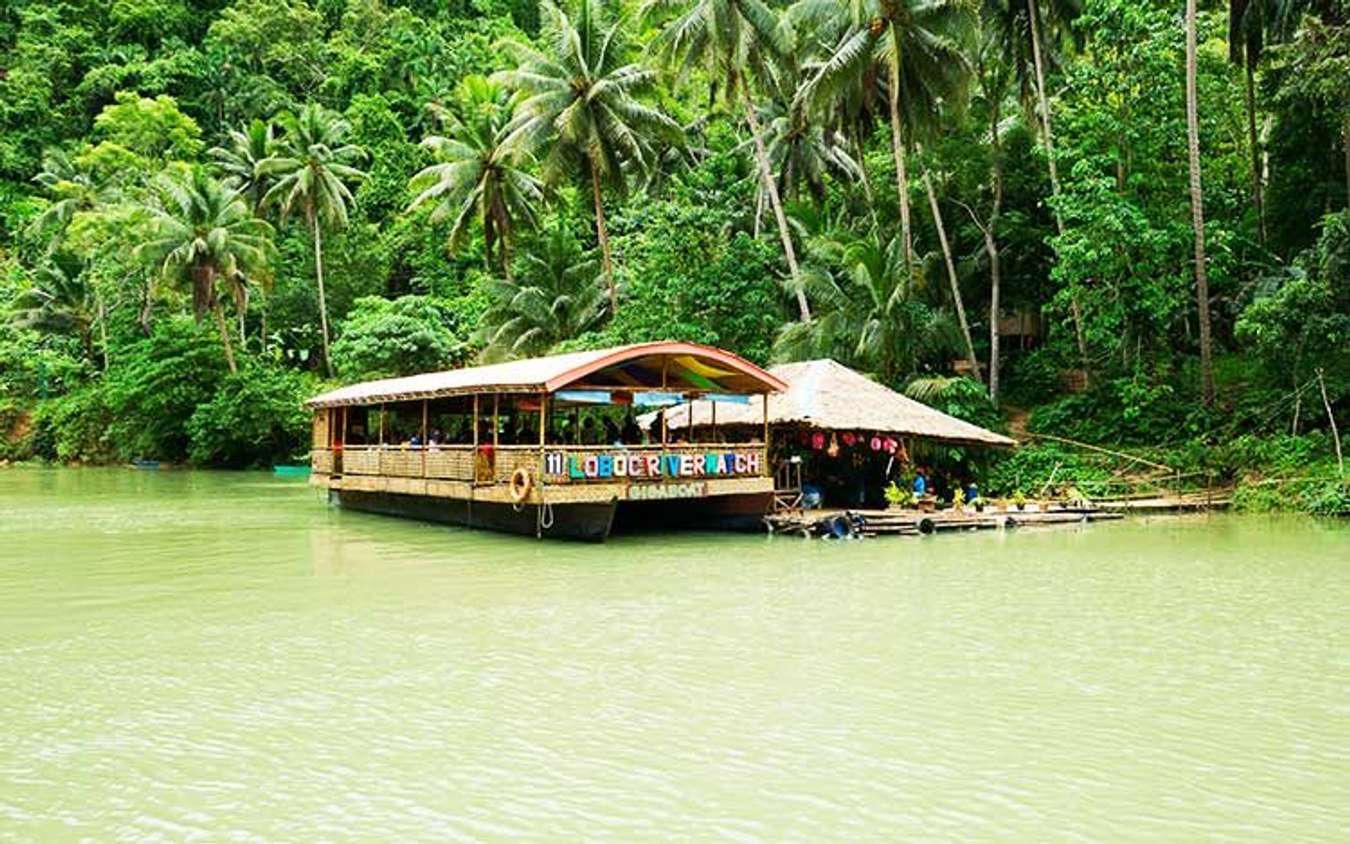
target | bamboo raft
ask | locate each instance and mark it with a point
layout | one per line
(865, 523)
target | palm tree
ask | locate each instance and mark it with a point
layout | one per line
(62, 299)
(240, 158)
(312, 165)
(579, 103)
(1026, 35)
(1198, 209)
(476, 174)
(202, 234)
(71, 189)
(801, 149)
(922, 45)
(871, 310)
(728, 39)
(559, 296)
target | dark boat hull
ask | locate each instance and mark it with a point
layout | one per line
(590, 522)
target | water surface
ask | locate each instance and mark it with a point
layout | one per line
(224, 656)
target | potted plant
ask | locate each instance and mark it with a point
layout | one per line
(1019, 500)
(896, 497)
(959, 500)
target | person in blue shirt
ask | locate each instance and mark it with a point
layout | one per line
(920, 484)
(972, 492)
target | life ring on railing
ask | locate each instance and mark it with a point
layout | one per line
(521, 484)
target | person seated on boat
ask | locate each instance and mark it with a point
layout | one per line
(415, 440)
(612, 434)
(920, 483)
(590, 432)
(631, 434)
(972, 493)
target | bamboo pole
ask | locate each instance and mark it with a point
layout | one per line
(1335, 433)
(1132, 457)
(764, 399)
(424, 437)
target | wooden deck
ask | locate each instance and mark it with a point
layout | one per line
(840, 523)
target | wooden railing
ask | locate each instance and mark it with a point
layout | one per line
(457, 462)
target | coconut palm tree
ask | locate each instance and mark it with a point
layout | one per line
(921, 44)
(729, 40)
(239, 159)
(202, 234)
(801, 149)
(1029, 31)
(559, 296)
(71, 189)
(1198, 209)
(579, 103)
(312, 165)
(872, 311)
(476, 175)
(61, 299)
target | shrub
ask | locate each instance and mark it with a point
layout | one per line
(255, 418)
(382, 338)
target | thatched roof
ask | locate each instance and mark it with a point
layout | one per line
(826, 394)
(681, 367)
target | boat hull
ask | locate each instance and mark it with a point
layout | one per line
(589, 521)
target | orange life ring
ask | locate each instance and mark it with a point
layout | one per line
(521, 483)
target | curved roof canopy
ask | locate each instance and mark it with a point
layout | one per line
(677, 367)
(827, 394)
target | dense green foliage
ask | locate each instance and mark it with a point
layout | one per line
(207, 207)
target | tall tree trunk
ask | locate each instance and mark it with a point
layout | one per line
(1345, 147)
(951, 275)
(1198, 210)
(991, 249)
(898, 152)
(102, 328)
(1047, 133)
(318, 275)
(771, 190)
(602, 234)
(224, 330)
(1258, 198)
(862, 173)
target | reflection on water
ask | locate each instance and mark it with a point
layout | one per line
(184, 653)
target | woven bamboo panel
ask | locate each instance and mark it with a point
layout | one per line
(508, 461)
(450, 489)
(361, 462)
(401, 463)
(739, 486)
(455, 464)
(321, 461)
(320, 439)
(581, 493)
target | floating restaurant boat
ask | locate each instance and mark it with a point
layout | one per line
(549, 446)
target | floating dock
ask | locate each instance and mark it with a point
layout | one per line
(845, 523)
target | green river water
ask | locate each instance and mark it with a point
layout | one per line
(216, 656)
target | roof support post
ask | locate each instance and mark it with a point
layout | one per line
(764, 399)
(424, 437)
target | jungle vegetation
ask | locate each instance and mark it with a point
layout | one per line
(1120, 222)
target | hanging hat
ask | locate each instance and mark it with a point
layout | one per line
(876, 443)
(818, 440)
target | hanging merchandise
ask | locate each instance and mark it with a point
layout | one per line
(849, 439)
(833, 450)
(876, 443)
(818, 440)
